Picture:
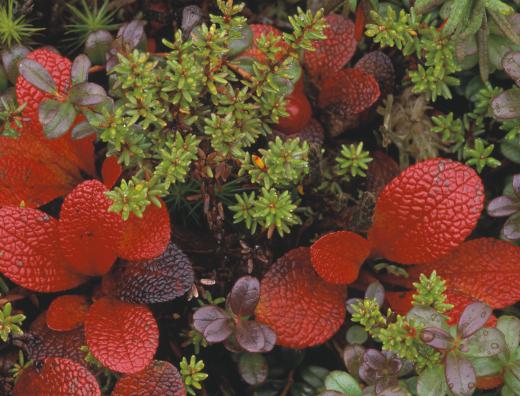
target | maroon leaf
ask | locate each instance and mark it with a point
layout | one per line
(79, 70)
(511, 65)
(353, 358)
(56, 117)
(503, 206)
(87, 94)
(213, 322)
(473, 318)
(244, 296)
(460, 375)
(436, 338)
(37, 75)
(255, 337)
(374, 359)
(132, 33)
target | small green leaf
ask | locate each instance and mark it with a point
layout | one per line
(253, 368)
(37, 75)
(56, 117)
(432, 382)
(343, 382)
(510, 327)
(485, 342)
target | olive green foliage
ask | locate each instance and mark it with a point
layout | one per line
(10, 324)
(192, 374)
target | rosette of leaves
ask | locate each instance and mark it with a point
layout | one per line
(508, 205)
(233, 325)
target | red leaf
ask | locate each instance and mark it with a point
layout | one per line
(111, 171)
(427, 211)
(67, 312)
(300, 307)
(333, 53)
(337, 256)
(359, 22)
(400, 302)
(158, 379)
(484, 269)
(380, 172)
(29, 255)
(260, 30)
(146, 237)
(88, 233)
(379, 65)
(57, 377)
(353, 90)
(122, 336)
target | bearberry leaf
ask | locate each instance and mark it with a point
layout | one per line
(254, 336)
(483, 343)
(431, 382)
(253, 368)
(511, 65)
(67, 312)
(376, 291)
(213, 323)
(380, 66)
(111, 171)
(342, 382)
(122, 336)
(11, 58)
(507, 105)
(503, 206)
(146, 237)
(483, 269)
(132, 33)
(300, 307)
(244, 296)
(460, 375)
(57, 376)
(473, 318)
(437, 338)
(88, 233)
(353, 358)
(56, 117)
(37, 75)
(161, 279)
(380, 172)
(426, 212)
(29, 255)
(158, 379)
(79, 69)
(510, 327)
(82, 129)
(87, 94)
(337, 256)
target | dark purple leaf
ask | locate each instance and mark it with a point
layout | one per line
(507, 105)
(132, 34)
(254, 336)
(460, 375)
(244, 296)
(374, 359)
(97, 46)
(367, 374)
(503, 206)
(511, 228)
(511, 65)
(516, 185)
(353, 358)
(427, 316)
(56, 117)
(87, 94)
(376, 291)
(37, 75)
(213, 322)
(473, 318)
(484, 343)
(79, 70)
(253, 368)
(11, 58)
(436, 338)
(82, 130)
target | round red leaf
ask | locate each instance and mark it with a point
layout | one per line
(337, 256)
(88, 233)
(111, 171)
(146, 237)
(57, 377)
(301, 308)
(427, 211)
(158, 379)
(67, 312)
(260, 30)
(29, 255)
(122, 336)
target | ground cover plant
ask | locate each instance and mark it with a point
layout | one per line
(262, 198)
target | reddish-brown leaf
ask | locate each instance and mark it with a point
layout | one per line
(301, 308)
(158, 379)
(111, 171)
(379, 65)
(427, 211)
(121, 335)
(338, 256)
(67, 312)
(57, 377)
(29, 255)
(89, 234)
(260, 30)
(146, 237)
(380, 172)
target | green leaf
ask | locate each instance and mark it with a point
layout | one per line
(510, 327)
(485, 342)
(511, 150)
(253, 368)
(356, 335)
(343, 382)
(79, 70)
(87, 94)
(56, 117)
(37, 75)
(82, 130)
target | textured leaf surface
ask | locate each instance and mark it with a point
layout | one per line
(44, 343)
(427, 211)
(88, 233)
(122, 336)
(158, 379)
(335, 51)
(29, 255)
(352, 90)
(213, 323)
(380, 172)
(111, 171)
(67, 312)
(57, 377)
(146, 237)
(379, 65)
(254, 336)
(301, 308)
(484, 269)
(260, 30)
(244, 296)
(337, 256)
(151, 281)
(460, 375)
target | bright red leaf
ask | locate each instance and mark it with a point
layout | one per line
(427, 211)
(67, 312)
(158, 379)
(111, 171)
(300, 307)
(260, 30)
(29, 255)
(57, 377)
(337, 256)
(146, 237)
(88, 233)
(121, 335)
